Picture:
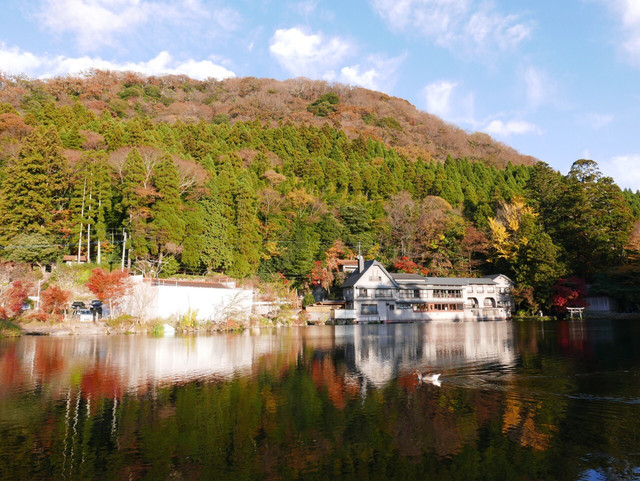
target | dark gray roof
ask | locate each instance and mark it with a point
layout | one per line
(407, 277)
(417, 281)
(357, 275)
(495, 276)
(409, 280)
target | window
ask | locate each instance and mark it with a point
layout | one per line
(470, 289)
(480, 289)
(447, 293)
(410, 294)
(384, 293)
(446, 307)
(369, 309)
(391, 307)
(490, 289)
(363, 293)
(420, 307)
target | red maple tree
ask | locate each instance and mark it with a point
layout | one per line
(406, 265)
(108, 286)
(13, 298)
(54, 300)
(570, 292)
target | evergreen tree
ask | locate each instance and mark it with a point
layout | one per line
(33, 196)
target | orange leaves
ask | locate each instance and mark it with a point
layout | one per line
(54, 300)
(108, 286)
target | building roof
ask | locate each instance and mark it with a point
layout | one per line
(417, 281)
(357, 275)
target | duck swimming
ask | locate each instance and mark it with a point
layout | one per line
(432, 378)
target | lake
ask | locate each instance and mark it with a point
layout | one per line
(516, 401)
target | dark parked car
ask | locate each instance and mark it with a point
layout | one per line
(76, 307)
(96, 308)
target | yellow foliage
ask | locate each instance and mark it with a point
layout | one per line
(300, 198)
(506, 227)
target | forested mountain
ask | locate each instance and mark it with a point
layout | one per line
(259, 177)
(356, 111)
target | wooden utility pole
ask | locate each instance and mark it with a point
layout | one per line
(84, 190)
(124, 248)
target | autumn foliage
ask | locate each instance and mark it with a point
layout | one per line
(406, 265)
(569, 292)
(108, 286)
(13, 298)
(54, 300)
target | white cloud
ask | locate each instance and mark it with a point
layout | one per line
(443, 99)
(96, 23)
(597, 121)
(377, 73)
(628, 13)
(511, 127)
(466, 26)
(624, 169)
(309, 55)
(354, 76)
(19, 62)
(306, 7)
(539, 87)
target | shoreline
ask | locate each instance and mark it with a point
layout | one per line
(9, 329)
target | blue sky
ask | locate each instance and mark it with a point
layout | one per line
(556, 80)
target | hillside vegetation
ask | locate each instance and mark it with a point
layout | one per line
(282, 179)
(358, 112)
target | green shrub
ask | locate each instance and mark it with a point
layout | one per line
(189, 320)
(133, 91)
(9, 329)
(220, 119)
(157, 329)
(389, 122)
(308, 299)
(324, 105)
(121, 319)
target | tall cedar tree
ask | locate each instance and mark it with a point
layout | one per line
(32, 199)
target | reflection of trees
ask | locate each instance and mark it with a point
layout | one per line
(299, 412)
(302, 421)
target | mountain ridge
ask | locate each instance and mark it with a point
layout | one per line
(359, 111)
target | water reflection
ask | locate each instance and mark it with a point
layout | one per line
(536, 401)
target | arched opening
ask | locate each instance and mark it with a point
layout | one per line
(489, 302)
(472, 303)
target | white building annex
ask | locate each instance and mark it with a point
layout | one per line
(374, 295)
(171, 299)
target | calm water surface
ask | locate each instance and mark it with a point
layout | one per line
(517, 401)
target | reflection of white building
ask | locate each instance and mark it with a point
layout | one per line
(372, 294)
(381, 352)
(373, 353)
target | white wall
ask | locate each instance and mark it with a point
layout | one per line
(172, 302)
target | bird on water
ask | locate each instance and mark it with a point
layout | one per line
(429, 377)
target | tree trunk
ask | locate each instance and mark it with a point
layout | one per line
(99, 250)
(84, 190)
(89, 234)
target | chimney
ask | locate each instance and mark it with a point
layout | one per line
(360, 264)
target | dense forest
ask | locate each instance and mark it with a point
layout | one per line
(251, 177)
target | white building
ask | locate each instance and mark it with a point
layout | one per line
(172, 299)
(374, 295)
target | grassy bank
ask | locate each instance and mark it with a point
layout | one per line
(9, 329)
